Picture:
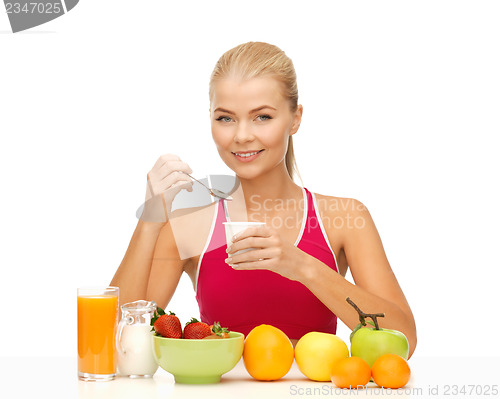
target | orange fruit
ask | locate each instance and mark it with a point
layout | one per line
(391, 371)
(267, 353)
(351, 372)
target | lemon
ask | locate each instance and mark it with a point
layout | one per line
(317, 352)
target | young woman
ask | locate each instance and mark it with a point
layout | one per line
(293, 277)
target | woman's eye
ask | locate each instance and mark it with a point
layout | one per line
(224, 119)
(263, 117)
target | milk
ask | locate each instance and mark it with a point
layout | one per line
(135, 351)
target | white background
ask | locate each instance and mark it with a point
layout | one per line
(401, 106)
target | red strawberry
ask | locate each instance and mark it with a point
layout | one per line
(195, 329)
(222, 332)
(167, 325)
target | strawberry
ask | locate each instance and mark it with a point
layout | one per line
(222, 332)
(212, 336)
(166, 325)
(195, 329)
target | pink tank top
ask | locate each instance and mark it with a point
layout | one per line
(243, 299)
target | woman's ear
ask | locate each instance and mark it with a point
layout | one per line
(297, 117)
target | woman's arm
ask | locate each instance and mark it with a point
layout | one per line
(132, 275)
(166, 268)
(376, 288)
(153, 233)
(151, 268)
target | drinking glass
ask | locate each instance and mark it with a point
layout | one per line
(97, 321)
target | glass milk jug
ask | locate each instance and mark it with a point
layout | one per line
(134, 341)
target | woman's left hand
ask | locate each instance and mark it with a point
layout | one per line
(270, 252)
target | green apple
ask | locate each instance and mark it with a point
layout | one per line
(371, 343)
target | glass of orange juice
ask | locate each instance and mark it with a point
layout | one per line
(97, 321)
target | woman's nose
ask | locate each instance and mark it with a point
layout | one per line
(243, 133)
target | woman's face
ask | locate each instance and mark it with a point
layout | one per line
(251, 122)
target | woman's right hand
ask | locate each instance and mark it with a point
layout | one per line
(165, 181)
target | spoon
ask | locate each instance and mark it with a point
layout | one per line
(213, 191)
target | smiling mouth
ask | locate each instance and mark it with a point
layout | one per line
(246, 154)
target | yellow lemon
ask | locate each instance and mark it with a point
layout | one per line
(317, 352)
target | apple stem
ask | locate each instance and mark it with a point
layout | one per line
(363, 315)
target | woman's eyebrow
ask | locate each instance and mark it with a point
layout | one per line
(261, 108)
(251, 112)
(223, 110)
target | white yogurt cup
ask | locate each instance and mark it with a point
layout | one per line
(233, 228)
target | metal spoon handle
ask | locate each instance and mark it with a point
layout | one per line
(208, 188)
(213, 191)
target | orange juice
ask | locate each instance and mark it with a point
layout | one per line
(97, 320)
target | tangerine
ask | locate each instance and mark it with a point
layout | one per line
(391, 371)
(351, 372)
(267, 353)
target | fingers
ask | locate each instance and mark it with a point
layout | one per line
(174, 188)
(167, 164)
(174, 179)
(257, 264)
(264, 264)
(261, 231)
(172, 166)
(166, 173)
(249, 242)
(252, 256)
(164, 159)
(164, 181)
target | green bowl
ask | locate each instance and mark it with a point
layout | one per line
(198, 361)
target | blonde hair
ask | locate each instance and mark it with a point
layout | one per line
(257, 59)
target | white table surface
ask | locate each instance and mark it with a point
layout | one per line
(55, 377)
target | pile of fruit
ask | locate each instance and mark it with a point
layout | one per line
(376, 353)
(169, 326)
(268, 354)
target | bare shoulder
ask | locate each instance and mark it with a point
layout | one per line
(341, 207)
(341, 215)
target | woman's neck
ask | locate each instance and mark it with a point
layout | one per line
(271, 188)
(274, 184)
